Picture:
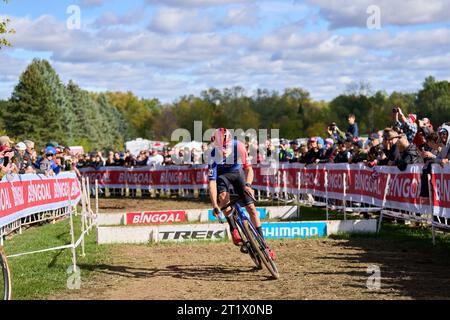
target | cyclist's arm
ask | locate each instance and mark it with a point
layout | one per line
(212, 176)
(246, 164)
(249, 174)
(213, 193)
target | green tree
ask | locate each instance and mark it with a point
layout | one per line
(4, 31)
(87, 129)
(33, 110)
(433, 100)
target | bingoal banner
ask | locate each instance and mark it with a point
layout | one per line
(27, 194)
(383, 186)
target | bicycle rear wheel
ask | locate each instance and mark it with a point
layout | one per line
(5, 282)
(261, 248)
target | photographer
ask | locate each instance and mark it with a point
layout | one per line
(335, 133)
(21, 160)
(407, 126)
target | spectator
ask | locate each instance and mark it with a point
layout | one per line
(424, 129)
(141, 160)
(155, 158)
(129, 160)
(313, 154)
(335, 133)
(329, 151)
(47, 165)
(110, 161)
(407, 154)
(23, 165)
(443, 155)
(118, 161)
(353, 126)
(359, 154)
(390, 138)
(343, 154)
(296, 151)
(285, 153)
(405, 125)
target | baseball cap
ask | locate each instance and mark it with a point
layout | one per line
(320, 141)
(313, 139)
(329, 141)
(374, 136)
(21, 146)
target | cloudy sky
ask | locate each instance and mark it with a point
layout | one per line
(166, 49)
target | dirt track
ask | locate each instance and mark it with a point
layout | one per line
(310, 269)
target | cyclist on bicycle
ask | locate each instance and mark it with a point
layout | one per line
(228, 163)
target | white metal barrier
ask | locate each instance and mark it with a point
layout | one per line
(88, 221)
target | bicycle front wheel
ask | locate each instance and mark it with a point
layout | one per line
(261, 249)
(5, 282)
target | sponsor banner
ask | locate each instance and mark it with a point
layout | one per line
(261, 211)
(440, 180)
(352, 182)
(155, 217)
(24, 195)
(161, 177)
(193, 232)
(291, 230)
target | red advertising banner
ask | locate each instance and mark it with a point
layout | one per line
(164, 177)
(24, 195)
(352, 182)
(157, 217)
(440, 181)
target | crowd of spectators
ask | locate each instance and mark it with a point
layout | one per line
(407, 141)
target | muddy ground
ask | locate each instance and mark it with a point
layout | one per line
(310, 269)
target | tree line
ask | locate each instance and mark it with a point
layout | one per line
(42, 108)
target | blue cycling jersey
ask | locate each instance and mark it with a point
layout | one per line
(234, 162)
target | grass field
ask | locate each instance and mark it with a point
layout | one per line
(39, 275)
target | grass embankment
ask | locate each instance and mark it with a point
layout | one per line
(37, 276)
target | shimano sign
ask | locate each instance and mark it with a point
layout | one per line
(294, 230)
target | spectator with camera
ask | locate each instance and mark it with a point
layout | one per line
(7, 155)
(405, 125)
(335, 133)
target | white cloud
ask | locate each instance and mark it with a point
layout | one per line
(186, 52)
(110, 18)
(172, 20)
(92, 3)
(195, 3)
(350, 13)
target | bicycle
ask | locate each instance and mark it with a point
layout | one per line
(253, 243)
(5, 282)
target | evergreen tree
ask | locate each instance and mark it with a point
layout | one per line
(33, 112)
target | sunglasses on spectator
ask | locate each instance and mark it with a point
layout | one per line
(49, 155)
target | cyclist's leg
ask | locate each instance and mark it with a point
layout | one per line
(238, 183)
